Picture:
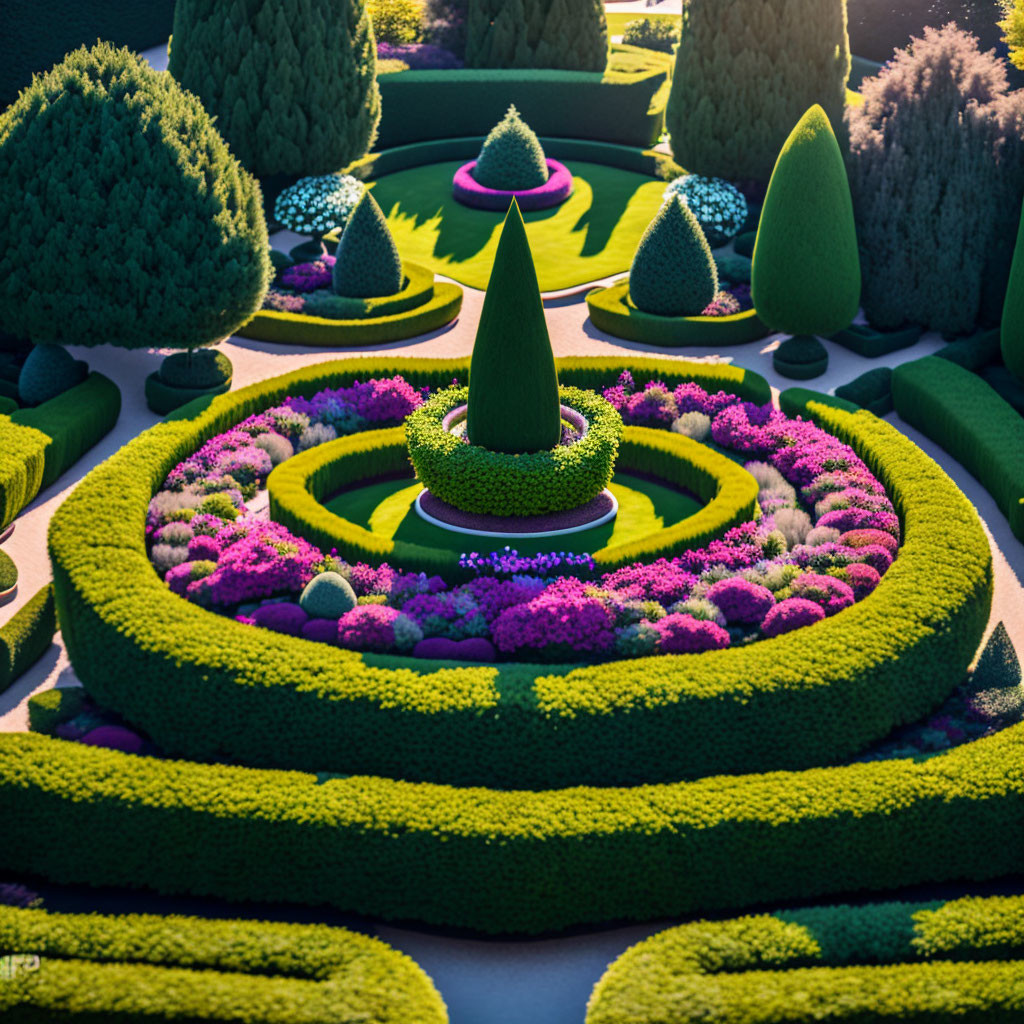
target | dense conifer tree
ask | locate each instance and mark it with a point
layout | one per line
(367, 263)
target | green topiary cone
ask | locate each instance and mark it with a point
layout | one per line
(367, 263)
(512, 159)
(1011, 332)
(805, 277)
(513, 384)
(673, 271)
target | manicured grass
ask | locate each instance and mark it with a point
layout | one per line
(592, 235)
(385, 507)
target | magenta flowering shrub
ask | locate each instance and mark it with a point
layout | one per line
(792, 613)
(828, 591)
(377, 627)
(308, 277)
(683, 634)
(846, 519)
(862, 579)
(723, 304)
(283, 302)
(862, 538)
(741, 601)
(663, 581)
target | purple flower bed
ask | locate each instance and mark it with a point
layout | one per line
(827, 535)
(555, 190)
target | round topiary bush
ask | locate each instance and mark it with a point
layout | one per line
(366, 262)
(161, 233)
(720, 208)
(206, 368)
(318, 204)
(327, 596)
(801, 358)
(512, 158)
(8, 574)
(48, 371)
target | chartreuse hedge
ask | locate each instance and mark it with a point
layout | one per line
(956, 960)
(137, 967)
(299, 486)
(26, 635)
(510, 860)
(960, 412)
(37, 445)
(205, 686)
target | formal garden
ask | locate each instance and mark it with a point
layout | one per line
(512, 511)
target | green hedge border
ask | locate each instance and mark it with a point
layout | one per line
(299, 486)
(880, 962)
(811, 696)
(137, 966)
(867, 342)
(37, 445)
(970, 421)
(26, 636)
(612, 312)
(163, 398)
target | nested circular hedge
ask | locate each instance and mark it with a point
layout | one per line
(205, 686)
(555, 190)
(475, 479)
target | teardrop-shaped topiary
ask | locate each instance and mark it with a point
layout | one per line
(673, 271)
(1011, 334)
(367, 263)
(805, 278)
(511, 159)
(513, 384)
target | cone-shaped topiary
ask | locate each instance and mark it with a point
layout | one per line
(511, 159)
(673, 271)
(48, 371)
(292, 83)
(1011, 334)
(160, 231)
(367, 263)
(805, 277)
(513, 384)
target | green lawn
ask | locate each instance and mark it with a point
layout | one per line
(385, 507)
(593, 234)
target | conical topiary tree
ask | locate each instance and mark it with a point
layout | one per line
(1011, 334)
(745, 72)
(111, 168)
(512, 158)
(673, 271)
(292, 83)
(513, 384)
(805, 277)
(367, 263)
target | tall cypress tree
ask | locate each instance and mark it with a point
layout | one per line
(746, 70)
(292, 83)
(513, 384)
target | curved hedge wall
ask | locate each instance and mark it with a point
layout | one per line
(138, 967)
(25, 637)
(204, 686)
(880, 962)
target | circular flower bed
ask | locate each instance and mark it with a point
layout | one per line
(555, 190)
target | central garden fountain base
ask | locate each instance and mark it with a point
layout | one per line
(596, 512)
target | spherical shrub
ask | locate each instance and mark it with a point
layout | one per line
(862, 579)
(511, 159)
(203, 548)
(699, 608)
(637, 640)
(48, 371)
(683, 634)
(720, 208)
(219, 505)
(167, 556)
(310, 277)
(366, 262)
(281, 617)
(862, 538)
(377, 627)
(175, 533)
(793, 613)
(793, 523)
(206, 368)
(692, 424)
(741, 601)
(874, 555)
(277, 447)
(8, 572)
(800, 358)
(316, 434)
(395, 21)
(847, 519)
(831, 593)
(327, 596)
(823, 535)
(319, 203)
(652, 34)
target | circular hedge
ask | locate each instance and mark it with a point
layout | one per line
(800, 358)
(475, 479)
(555, 190)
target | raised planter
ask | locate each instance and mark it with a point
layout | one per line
(468, 191)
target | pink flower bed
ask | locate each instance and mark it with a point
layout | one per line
(555, 190)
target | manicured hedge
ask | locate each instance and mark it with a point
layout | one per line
(962, 414)
(510, 861)
(141, 967)
(298, 486)
(205, 686)
(956, 960)
(164, 398)
(871, 390)
(867, 342)
(25, 637)
(612, 310)
(37, 445)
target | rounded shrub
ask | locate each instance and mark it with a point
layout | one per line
(8, 573)
(511, 158)
(318, 204)
(720, 208)
(673, 272)
(395, 21)
(367, 263)
(206, 368)
(659, 34)
(48, 371)
(800, 358)
(162, 239)
(327, 596)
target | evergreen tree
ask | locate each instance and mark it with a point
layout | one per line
(805, 276)
(112, 170)
(512, 158)
(673, 271)
(746, 70)
(513, 384)
(292, 83)
(367, 263)
(1012, 327)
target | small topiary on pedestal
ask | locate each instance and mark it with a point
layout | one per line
(513, 385)
(673, 271)
(512, 158)
(367, 263)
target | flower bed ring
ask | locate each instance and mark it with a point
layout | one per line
(570, 415)
(468, 191)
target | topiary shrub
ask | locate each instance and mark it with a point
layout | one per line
(327, 596)
(48, 371)
(173, 255)
(316, 205)
(8, 573)
(661, 34)
(745, 72)
(512, 158)
(673, 272)
(801, 358)
(206, 368)
(366, 262)
(395, 21)
(513, 384)
(292, 83)
(720, 208)
(805, 277)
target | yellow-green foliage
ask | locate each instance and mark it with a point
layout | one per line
(26, 635)
(880, 962)
(136, 967)
(205, 686)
